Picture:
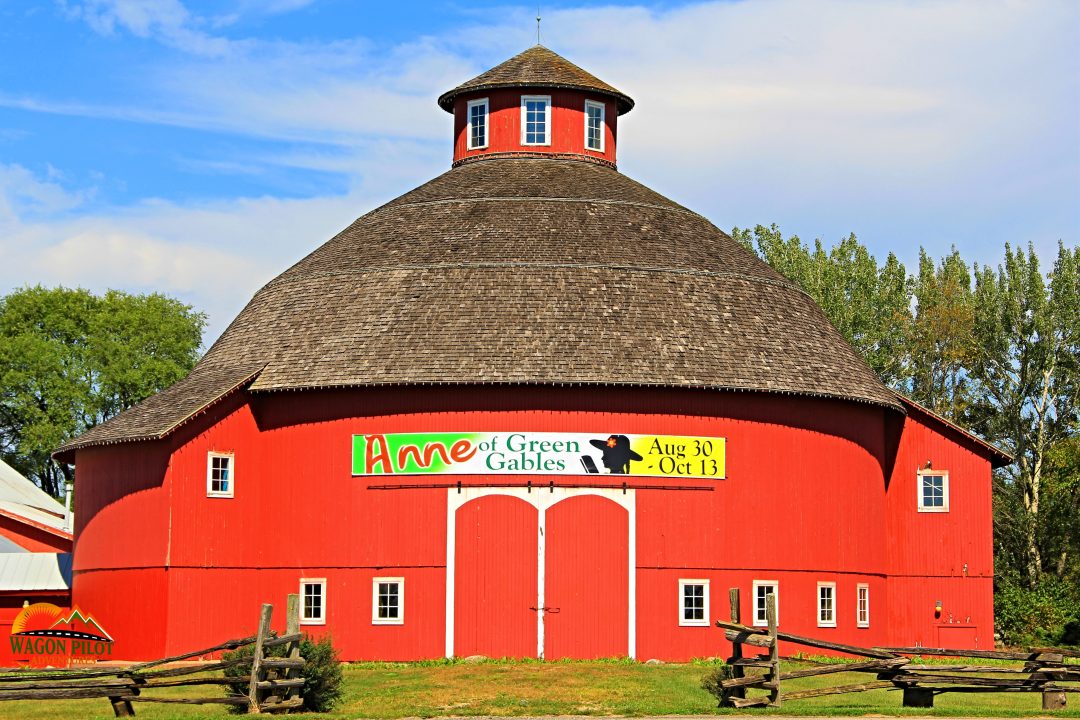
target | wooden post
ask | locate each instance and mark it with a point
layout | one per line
(737, 671)
(918, 697)
(774, 651)
(292, 627)
(257, 657)
(122, 707)
(1052, 700)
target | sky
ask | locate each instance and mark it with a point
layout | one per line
(200, 148)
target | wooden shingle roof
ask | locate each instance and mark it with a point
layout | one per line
(536, 67)
(521, 271)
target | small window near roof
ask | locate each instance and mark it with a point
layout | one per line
(933, 491)
(694, 602)
(826, 604)
(594, 126)
(219, 474)
(313, 601)
(863, 616)
(388, 601)
(478, 124)
(763, 588)
(535, 120)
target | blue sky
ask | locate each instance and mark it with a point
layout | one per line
(201, 148)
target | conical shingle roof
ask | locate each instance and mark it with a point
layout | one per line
(536, 67)
(521, 271)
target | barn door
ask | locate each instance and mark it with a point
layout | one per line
(495, 579)
(586, 579)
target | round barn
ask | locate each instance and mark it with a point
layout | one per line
(532, 408)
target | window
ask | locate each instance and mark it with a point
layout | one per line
(478, 124)
(594, 126)
(826, 613)
(933, 491)
(219, 474)
(863, 617)
(313, 601)
(388, 601)
(762, 588)
(535, 120)
(694, 602)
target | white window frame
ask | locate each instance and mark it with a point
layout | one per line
(469, 124)
(704, 621)
(547, 118)
(603, 112)
(210, 492)
(944, 475)
(821, 622)
(860, 620)
(375, 619)
(321, 582)
(763, 622)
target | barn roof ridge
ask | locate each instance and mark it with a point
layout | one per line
(538, 67)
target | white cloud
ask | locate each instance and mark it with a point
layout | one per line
(213, 254)
(166, 20)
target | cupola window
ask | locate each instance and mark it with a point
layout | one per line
(478, 124)
(535, 120)
(594, 126)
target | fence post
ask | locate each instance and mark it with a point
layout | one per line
(122, 708)
(292, 627)
(774, 651)
(257, 657)
(737, 671)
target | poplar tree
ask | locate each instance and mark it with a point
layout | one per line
(1027, 340)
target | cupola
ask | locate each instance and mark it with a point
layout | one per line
(537, 103)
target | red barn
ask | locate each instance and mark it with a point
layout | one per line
(532, 408)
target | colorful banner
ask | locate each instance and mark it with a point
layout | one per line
(539, 453)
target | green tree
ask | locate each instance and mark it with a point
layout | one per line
(940, 342)
(70, 359)
(1027, 369)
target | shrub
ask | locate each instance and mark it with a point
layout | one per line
(710, 681)
(1047, 614)
(322, 672)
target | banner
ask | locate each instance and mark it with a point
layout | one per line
(539, 453)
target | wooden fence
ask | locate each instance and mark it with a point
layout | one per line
(273, 684)
(1043, 670)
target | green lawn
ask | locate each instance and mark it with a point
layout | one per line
(398, 690)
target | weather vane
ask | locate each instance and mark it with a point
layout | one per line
(538, 23)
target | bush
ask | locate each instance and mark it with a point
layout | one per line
(1048, 614)
(322, 672)
(710, 681)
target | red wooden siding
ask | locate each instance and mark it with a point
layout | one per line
(504, 123)
(495, 578)
(153, 552)
(586, 579)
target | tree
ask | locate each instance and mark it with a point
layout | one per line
(940, 343)
(1027, 370)
(70, 359)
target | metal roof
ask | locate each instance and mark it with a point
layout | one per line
(23, 571)
(24, 501)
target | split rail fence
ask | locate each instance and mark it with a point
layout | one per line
(274, 684)
(1044, 670)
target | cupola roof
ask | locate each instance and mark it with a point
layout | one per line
(537, 67)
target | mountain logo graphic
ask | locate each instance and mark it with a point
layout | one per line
(48, 620)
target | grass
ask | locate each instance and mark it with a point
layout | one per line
(612, 687)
